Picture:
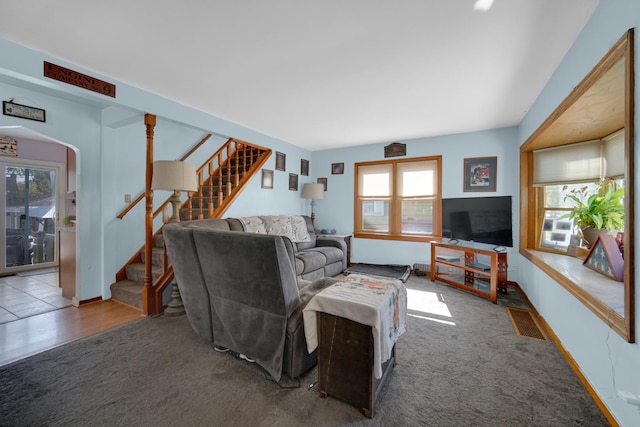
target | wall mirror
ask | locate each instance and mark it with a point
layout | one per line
(600, 106)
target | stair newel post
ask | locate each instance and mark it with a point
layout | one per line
(149, 303)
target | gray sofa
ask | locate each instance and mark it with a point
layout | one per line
(246, 291)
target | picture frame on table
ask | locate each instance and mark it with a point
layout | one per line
(480, 174)
(605, 257)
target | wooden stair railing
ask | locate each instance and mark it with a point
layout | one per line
(138, 199)
(226, 171)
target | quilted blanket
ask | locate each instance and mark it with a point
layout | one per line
(293, 227)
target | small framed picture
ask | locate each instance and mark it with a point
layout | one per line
(480, 174)
(267, 179)
(337, 168)
(281, 161)
(293, 182)
(323, 181)
(304, 167)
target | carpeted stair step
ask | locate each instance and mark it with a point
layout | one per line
(196, 202)
(128, 292)
(184, 214)
(205, 190)
(159, 241)
(215, 179)
(156, 256)
(135, 272)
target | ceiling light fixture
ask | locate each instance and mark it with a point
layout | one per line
(483, 5)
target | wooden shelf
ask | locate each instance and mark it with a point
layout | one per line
(458, 266)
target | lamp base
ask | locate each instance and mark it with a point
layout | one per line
(175, 203)
(175, 306)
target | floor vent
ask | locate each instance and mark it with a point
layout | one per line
(524, 324)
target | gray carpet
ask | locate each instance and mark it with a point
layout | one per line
(466, 369)
(395, 271)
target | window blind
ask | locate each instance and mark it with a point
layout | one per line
(589, 161)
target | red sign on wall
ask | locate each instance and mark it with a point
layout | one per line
(75, 78)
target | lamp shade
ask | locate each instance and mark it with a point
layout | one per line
(174, 175)
(313, 191)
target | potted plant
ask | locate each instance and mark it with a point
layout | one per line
(596, 213)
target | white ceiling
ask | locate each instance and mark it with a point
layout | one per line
(318, 74)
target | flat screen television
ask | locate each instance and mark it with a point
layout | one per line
(479, 219)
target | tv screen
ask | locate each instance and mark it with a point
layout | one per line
(479, 219)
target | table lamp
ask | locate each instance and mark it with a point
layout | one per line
(176, 176)
(313, 192)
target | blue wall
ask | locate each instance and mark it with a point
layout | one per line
(336, 210)
(109, 137)
(608, 362)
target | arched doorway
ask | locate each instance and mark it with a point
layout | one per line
(39, 201)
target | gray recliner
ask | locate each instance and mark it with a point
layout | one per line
(246, 284)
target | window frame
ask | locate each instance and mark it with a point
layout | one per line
(568, 272)
(395, 203)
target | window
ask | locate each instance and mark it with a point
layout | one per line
(572, 169)
(556, 227)
(599, 106)
(398, 199)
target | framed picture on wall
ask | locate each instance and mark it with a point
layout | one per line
(304, 167)
(480, 174)
(293, 182)
(267, 179)
(323, 181)
(281, 161)
(337, 168)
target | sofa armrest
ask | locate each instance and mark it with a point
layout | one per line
(308, 291)
(324, 241)
(336, 243)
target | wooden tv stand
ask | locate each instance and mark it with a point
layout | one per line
(458, 266)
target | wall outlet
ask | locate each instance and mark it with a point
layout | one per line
(127, 198)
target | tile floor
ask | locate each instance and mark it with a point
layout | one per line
(27, 295)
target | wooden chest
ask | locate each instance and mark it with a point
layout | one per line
(345, 362)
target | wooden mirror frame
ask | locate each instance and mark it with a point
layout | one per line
(575, 115)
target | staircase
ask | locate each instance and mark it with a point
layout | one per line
(220, 180)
